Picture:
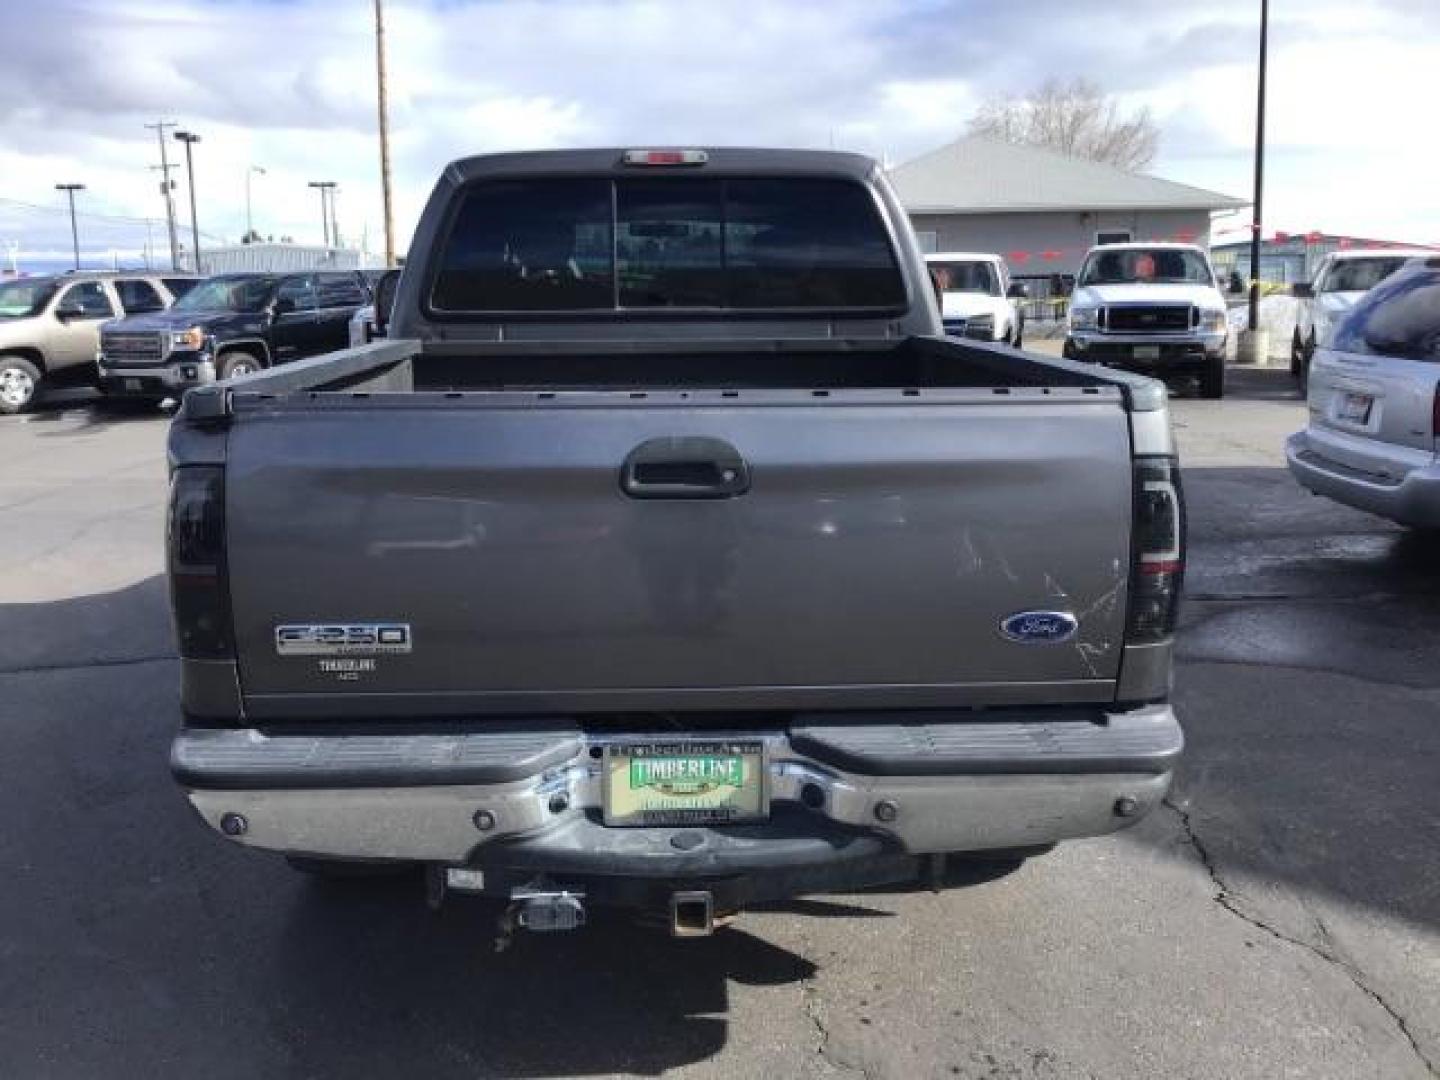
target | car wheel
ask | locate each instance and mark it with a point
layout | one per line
(238, 362)
(1297, 353)
(1068, 350)
(19, 384)
(1019, 341)
(1212, 379)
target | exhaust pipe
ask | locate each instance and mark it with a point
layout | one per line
(692, 914)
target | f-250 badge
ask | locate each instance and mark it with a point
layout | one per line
(342, 639)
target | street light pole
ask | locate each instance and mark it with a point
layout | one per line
(1255, 224)
(383, 98)
(189, 138)
(249, 216)
(324, 186)
(70, 190)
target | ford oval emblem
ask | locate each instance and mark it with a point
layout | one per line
(1040, 627)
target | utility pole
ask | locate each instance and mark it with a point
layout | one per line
(1255, 224)
(249, 217)
(384, 98)
(189, 138)
(70, 190)
(167, 188)
(324, 186)
(334, 216)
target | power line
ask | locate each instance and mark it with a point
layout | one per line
(93, 217)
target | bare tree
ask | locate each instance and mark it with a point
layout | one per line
(1076, 118)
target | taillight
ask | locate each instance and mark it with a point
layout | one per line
(1158, 570)
(195, 545)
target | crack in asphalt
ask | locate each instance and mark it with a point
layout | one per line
(1330, 956)
(122, 661)
(809, 999)
(1307, 598)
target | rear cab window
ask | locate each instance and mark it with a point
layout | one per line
(1398, 318)
(341, 291)
(731, 244)
(138, 296)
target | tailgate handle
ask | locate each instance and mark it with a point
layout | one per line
(684, 467)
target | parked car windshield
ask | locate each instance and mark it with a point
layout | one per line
(1359, 275)
(1145, 266)
(975, 277)
(1400, 318)
(247, 294)
(23, 299)
(596, 244)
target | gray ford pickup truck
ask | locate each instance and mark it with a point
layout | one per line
(667, 556)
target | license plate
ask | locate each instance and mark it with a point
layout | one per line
(133, 385)
(1355, 408)
(1147, 352)
(685, 783)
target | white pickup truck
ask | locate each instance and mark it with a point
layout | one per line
(977, 298)
(1153, 308)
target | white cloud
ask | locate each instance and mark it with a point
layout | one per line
(290, 86)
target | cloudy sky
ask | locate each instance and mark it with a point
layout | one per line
(289, 85)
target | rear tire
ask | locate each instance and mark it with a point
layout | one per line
(20, 382)
(1019, 336)
(237, 362)
(1297, 353)
(1307, 354)
(1212, 379)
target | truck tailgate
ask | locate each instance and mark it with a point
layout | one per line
(880, 545)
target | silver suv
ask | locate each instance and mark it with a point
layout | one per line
(1374, 402)
(50, 326)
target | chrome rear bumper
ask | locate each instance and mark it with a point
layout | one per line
(923, 787)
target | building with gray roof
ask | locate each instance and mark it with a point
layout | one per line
(1043, 210)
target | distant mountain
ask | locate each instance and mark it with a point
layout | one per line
(43, 264)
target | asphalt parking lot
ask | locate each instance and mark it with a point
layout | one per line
(1281, 917)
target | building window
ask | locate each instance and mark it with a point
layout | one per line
(929, 241)
(1119, 236)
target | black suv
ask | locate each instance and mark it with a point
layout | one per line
(228, 325)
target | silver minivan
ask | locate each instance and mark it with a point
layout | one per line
(1374, 399)
(50, 326)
